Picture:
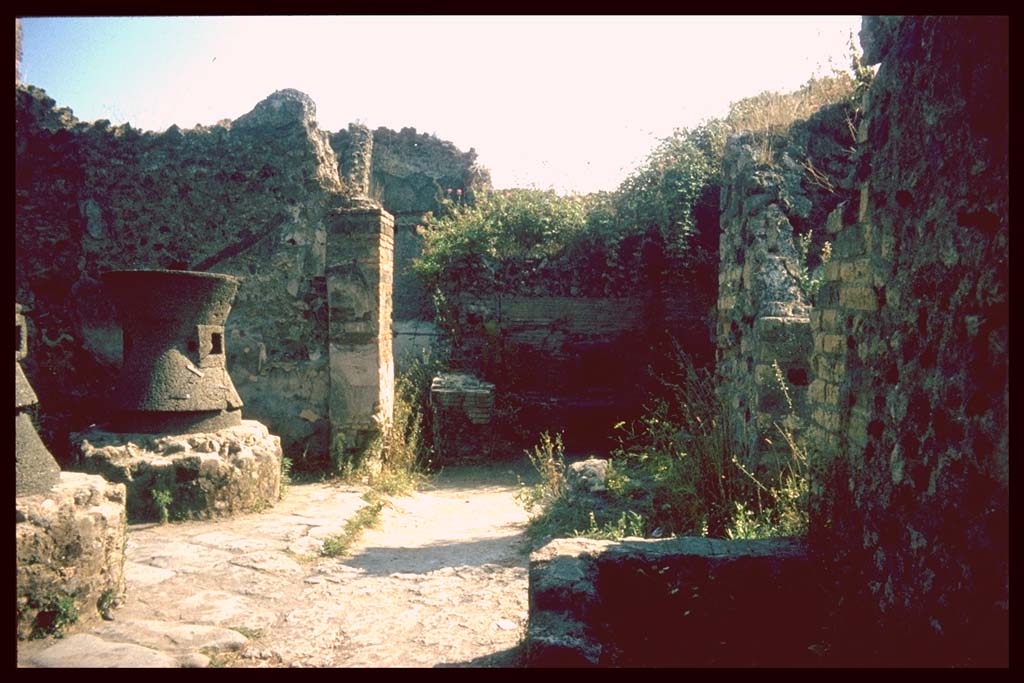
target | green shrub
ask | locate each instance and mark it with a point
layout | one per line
(466, 245)
(162, 499)
(548, 458)
(629, 523)
(683, 449)
(55, 614)
(106, 602)
(535, 241)
(810, 279)
(678, 471)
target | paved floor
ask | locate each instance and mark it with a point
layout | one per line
(441, 580)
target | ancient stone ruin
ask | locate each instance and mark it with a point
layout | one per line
(70, 528)
(899, 380)
(176, 438)
(894, 372)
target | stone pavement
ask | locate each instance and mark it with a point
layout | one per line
(441, 580)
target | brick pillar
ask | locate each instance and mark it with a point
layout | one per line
(360, 263)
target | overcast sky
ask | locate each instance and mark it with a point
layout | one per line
(572, 103)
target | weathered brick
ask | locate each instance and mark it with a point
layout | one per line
(858, 270)
(764, 374)
(816, 391)
(859, 298)
(815, 319)
(833, 343)
(826, 418)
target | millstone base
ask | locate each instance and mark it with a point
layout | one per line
(188, 476)
(70, 545)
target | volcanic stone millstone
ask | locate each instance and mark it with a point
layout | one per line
(174, 376)
(35, 470)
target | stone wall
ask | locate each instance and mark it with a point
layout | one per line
(764, 299)
(577, 364)
(251, 198)
(911, 393)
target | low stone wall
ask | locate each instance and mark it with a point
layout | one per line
(70, 552)
(189, 476)
(675, 602)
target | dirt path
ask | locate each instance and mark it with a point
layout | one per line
(440, 581)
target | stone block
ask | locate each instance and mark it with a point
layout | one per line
(829, 319)
(677, 602)
(826, 416)
(833, 343)
(781, 329)
(858, 298)
(815, 319)
(834, 222)
(828, 369)
(70, 550)
(188, 476)
(816, 391)
(858, 270)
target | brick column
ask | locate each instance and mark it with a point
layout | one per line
(360, 263)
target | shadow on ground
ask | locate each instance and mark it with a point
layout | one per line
(513, 657)
(474, 553)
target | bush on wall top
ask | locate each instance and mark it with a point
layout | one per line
(537, 242)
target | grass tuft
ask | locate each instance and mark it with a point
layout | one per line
(367, 516)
